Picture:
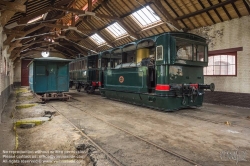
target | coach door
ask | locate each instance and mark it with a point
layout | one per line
(52, 77)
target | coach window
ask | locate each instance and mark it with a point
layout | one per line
(116, 57)
(106, 60)
(83, 64)
(129, 55)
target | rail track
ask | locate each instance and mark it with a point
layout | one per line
(109, 156)
(112, 158)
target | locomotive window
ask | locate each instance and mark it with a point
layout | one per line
(184, 52)
(83, 64)
(159, 53)
(116, 59)
(200, 53)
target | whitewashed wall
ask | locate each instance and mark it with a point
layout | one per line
(230, 34)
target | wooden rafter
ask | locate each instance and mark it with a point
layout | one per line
(175, 13)
(82, 12)
(170, 19)
(236, 10)
(26, 33)
(205, 21)
(209, 15)
(222, 4)
(225, 10)
(247, 5)
(7, 14)
(92, 27)
(13, 6)
(14, 32)
(199, 25)
(215, 10)
(121, 22)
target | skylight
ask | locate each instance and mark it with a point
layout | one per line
(97, 39)
(116, 30)
(146, 16)
(36, 19)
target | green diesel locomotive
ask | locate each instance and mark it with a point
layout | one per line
(163, 72)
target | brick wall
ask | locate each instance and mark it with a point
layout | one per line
(5, 73)
(228, 98)
(230, 34)
(230, 90)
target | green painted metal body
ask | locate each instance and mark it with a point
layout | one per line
(85, 73)
(49, 75)
(132, 84)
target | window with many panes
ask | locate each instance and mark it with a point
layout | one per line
(97, 39)
(146, 16)
(116, 30)
(221, 64)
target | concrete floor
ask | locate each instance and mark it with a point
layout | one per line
(210, 135)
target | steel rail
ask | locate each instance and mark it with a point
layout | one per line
(113, 159)
(138, 137)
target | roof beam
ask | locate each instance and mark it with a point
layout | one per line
(248, 2)
(92, 27)
(68, 27)
(205, 9)
(13, 6)
(170, 19)
(82, 12)
(63, 53)
(215, 10)
(121, 22)
(25, 33)
(247, 5)
(26, 19)
(209, 15)
(7, 14)
(14, 32)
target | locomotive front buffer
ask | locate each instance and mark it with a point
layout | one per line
(191, 90)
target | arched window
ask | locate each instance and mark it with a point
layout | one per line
(222, 62)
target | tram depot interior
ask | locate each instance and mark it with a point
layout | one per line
(120, 131)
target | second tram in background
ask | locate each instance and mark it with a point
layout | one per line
(84, 73)
(87, 72)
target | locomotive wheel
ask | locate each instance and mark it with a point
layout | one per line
(89, 90)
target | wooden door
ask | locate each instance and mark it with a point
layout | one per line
(25, 72)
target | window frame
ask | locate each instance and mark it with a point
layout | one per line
(114, 34)
(234, 53)
(156, 53)
(95, 39)
(147, 24)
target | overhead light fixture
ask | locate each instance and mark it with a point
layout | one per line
(45, 54)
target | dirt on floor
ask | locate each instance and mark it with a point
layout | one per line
(54, 142)
(212, 135)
